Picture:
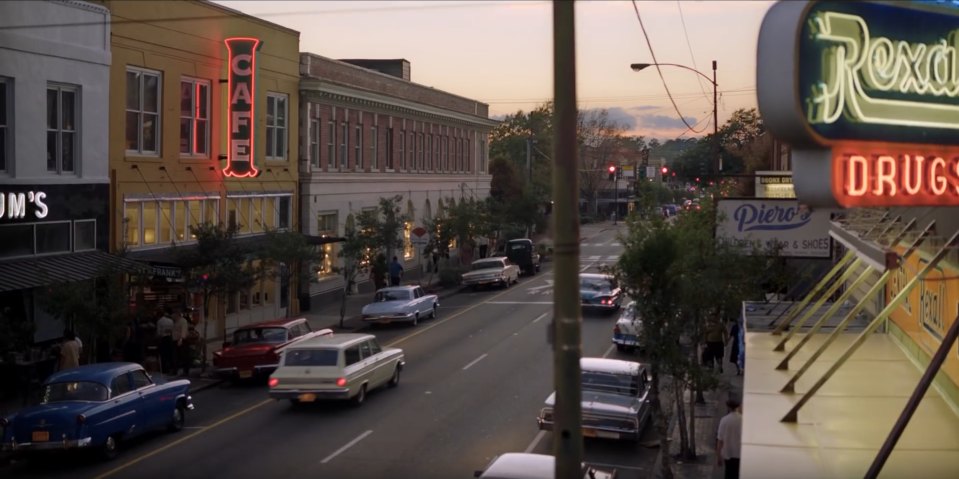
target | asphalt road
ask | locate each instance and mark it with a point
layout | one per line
(475, 380)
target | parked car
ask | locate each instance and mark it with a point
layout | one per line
(401, 303)
(519, 465)
(96, 407)
(599, 292)
(615, 402)
(498, 270)
(628, 329)
(522, 253)
(343, 366)
(254, 349)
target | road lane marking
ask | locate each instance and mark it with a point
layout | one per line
(474, 361)
(184, 439)
(536, 440)
(611, 347)
(541, 317)
(347, 446)
(519, 302)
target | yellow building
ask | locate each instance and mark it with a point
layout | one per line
(186, 109)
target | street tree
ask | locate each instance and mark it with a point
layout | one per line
(216, 267)
(527, 132)
(387, 230)
(289, 258)
(359, 252)
(598, 138)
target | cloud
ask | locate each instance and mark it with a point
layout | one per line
(663, 121)
(622, 117)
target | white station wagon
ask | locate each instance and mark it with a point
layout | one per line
(340, 366)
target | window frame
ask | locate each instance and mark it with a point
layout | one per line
(315, 140)
(275, 129)
(374, 143)
(59, 130)
(142, 74)
(6, 126)
(358, 147)
(344, 146)
(390, 143)
(402, 149)
(331, 163)
(196, 84)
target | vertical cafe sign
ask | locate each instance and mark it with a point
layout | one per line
(240, 115)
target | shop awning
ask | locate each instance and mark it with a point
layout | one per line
(34, 272)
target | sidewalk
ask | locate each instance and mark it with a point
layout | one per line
(707, 423)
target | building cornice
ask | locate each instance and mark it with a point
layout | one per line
(353, 96)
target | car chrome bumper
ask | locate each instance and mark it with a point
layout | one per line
(475, 282)
(387, 319)
(598, 432)
(61, 445)
(626, 340)
(338, 393)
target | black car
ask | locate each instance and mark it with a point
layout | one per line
(522, 253)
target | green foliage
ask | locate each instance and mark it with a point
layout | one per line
(385, 225)
(462, 221)
(217, 265)
(287, 254)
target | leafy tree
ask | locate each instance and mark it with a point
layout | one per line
(288, 257)
(215, 267)
(390, 223)
(598, 138)
(359, 252)
(508, 141)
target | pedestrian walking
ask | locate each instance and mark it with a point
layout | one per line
(715, 338)
(69, 351)
(729, 440)
(396, 272)
(165, 334)
(181, 333)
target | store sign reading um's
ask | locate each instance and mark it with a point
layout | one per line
(15, 206)
(240, 117)
(873, 90)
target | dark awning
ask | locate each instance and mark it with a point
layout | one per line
(40, 271)
(321, 240)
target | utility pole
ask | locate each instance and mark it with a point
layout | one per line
(567, 429)
(616, 196)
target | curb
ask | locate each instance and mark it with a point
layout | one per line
(204, 387)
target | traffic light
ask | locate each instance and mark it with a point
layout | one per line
(612, 173)
(664, 171)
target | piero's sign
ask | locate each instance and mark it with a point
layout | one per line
(240, 115)
(773, 226)
(873, 88)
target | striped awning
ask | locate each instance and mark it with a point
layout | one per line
(33, 272)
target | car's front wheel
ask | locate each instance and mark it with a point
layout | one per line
(110, 447)
(434, 313)
(360, 397)
(416, 319)
(395, 380)
(178, 420)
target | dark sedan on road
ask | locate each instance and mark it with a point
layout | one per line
(599, 292)
(95, 407)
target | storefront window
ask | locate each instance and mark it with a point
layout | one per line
(210, 215)
(284, 213)
(16, 240)
(180, 220)
(257, 220)
(327, 226)
(195, 215)
(53, 237)
(149, 222)
(269, 213)
(408, 250)
(131, 216)
(166, 222)
(84, 235)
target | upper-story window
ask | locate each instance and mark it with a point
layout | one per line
(429, 152)
(389, 148)
(4, 123)
(373, 150)
(466, 152)
(402, 148)
(194, 117)
(420, 162)
(344, 139)
(411, 151)
(315, 143)
(331, 145)
(444, 153)
(276, 126)
(143, 111)
(63, 105)
(358, 146)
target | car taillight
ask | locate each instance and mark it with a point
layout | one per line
(341, 382)
(81, 419)
(273, 382)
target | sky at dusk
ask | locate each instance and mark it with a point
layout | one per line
(500, 52)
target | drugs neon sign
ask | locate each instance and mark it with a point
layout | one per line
(886, 174)
(240, 115)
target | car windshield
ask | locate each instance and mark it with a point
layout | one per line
(487, 265)
(259, 335)
(609, 383)
(393, 295)
(74, 391)
(311, 357)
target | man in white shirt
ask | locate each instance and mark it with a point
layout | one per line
(181, 331)
(165, 337)
(729, 439)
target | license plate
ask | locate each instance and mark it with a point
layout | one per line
(41, 436)
(589, 432)
(246, 374)
(307, 397)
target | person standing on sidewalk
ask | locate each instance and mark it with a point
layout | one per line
(396, 272)
(729, 440)
(165, 335)
(181, 332)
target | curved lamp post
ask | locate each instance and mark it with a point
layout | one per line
(640, 66)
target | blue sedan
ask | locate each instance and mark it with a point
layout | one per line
(95, 407)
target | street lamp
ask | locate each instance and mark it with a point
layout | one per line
(640, 66)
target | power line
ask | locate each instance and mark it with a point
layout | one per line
(660, 71)
(689, 45)
(225, 15)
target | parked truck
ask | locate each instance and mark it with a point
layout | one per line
(522, 252)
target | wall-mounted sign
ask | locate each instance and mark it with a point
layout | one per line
(15, 206)
(240, 115)
(762, 225)
(867, 92)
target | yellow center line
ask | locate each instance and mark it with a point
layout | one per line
(183, 439)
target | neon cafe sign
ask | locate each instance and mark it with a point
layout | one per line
(241, 86)
(870, 99)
